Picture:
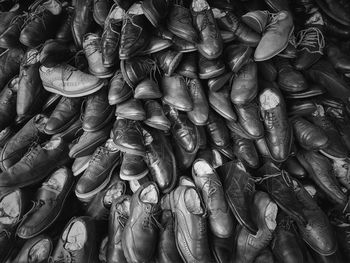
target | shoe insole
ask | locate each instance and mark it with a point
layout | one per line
(113, 193)
(53, 6)
(270, 215)
(149, 194)
(75, 236)
(202, 168)
(57, 180)
(9, 208)
(135, 9)
(53, 144)
(186, 181)
(200, 5)
(110, 145)
(40, 252)
(269, 100)
(193, 202)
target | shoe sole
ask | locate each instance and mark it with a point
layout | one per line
(93, 146)
(136, 117)
(164, 100)
(159, 126)
(102, 125)
(101, 75)
(212, 74)
(74, 95)
(121, 99)
(133, 177)
(82, 169)
(100, 187)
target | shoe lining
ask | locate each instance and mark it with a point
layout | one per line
(135, 9)
(113, 193)
(9, 209)
(200, 5)
(75, 236)
(193, 202)
(40, 251)
(270, 215)
(185, 181)
(149, 195)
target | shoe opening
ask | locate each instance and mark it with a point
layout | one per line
(270, 215)
(75, 236)
(149, 194)
(193, 202)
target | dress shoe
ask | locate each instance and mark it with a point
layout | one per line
(111, 36)
(93, 52)
(101, 204)
(137, 69)
(167, 251)
(317, 233)
(30, 90)
(333, 28)
(82, 20)
(160, 160)
(66, 113)
(128, 136)
(176, 93)
(10, 64)
(100, 11)
(267, 70)
(16, 147)
(38, 248)
(265, 256)
(202, 137)
(313, 90)
(188, 66)
(244, 87)
(215, 84)
(210, 43)
(131, 109)
(7, 17)
(156, 10)
(236, 56)
(276, 36)
(227, 20)
(141, 230)
(294, 168)
(289, 79)
(249, 120)
(38, 163)
(133, 167)
(99, 172)
(54, 52)
(180, 23)
(277, 5)
(222, 248)
(227, 36)
(248, 245)
(256, 20)
(200, 111)
(119, 90)
(245, 150)
(98, 112)
(12, 207)
(285, 245)
(336, 10)
(118, 216)
(5, 135)
(183, 46)
(300, 107)
(336, 148)
(220, 217)
(134, 37)
(125, 4)
(88, 142)
(49, 203)
(134, 185)
(320, 171)
(147, 89)
(262, 149)
(183, 130)
(239, 192)
(279, 186)
(221, 103)
(69, 81)
(217, 131)
(77, 242)
(311, 42)
(190, 224)
(339, 60)
(156, 44)
(72, 132)
(10, 37)
(8, 99)
(308, 135)
(210, 68)
(155, 116)
(168, 60)
(42, 23)
(278, 131)
(64, 32)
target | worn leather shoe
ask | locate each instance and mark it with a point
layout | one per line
(155, 116)
(8, 99)
(200, 111)
(221, 103)
(210, 68)
(119, 90)
(236, 56)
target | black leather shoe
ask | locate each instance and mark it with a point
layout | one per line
(339, 60)
(8, 98)
(9, 64)
(64, 32)
(10, 37)
(336, 10)
(221, 103)
(82, 20)
(54, 52)
(155, 116)
(156, 10)
(294, 168)
(200, 111)
(236, 56)
(300, 107)
(210, 68)
(147, 89)
(100, 11)
(168, 60)
(188, 66)
(119, 90)
(133, 167)
(217, 131)
(312, 91)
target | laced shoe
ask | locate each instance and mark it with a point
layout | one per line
(210, 68)
(147, 89)
(99, 172)
(100, 11)
(134, 37)
(49, 203)
(133, 167)
(69, 81)
(220, 102)
(278, 131)
(9, 64)
(141, 230)
(78, 242)
(119, 90)
(8, 99)
(81, 21)
(10, 36)
(18, 145)
(168, 61)
(156, 10)
(200, 111)
(41, 23)
(38, 163)
(311, 42)
(155, 116)
(276, 36)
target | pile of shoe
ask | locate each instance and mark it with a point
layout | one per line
(174, 131)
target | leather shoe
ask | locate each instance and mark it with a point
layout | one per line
(236, 56)
(131, 109)
(119, 90)
(155, 116)
(147, 89)
(210, 68)
(221, 103)
(200, 111)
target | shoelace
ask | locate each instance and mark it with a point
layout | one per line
(92, 47)
(313, 38)
(122, 218)
(259, 180)
(151, 219)
(273, 18)
(31, 154)
(271, 119)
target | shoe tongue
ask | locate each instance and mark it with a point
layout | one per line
(76, 236)
(135, 9)
(53, 144)
(149, 195)
(110, 145)
(270, 215)
(113, 193)
(200, 5)
(315, 19)
(269, 100)
(9, 209)
(53, 6)
(193, 202)
(56, 181)
(40, 251)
